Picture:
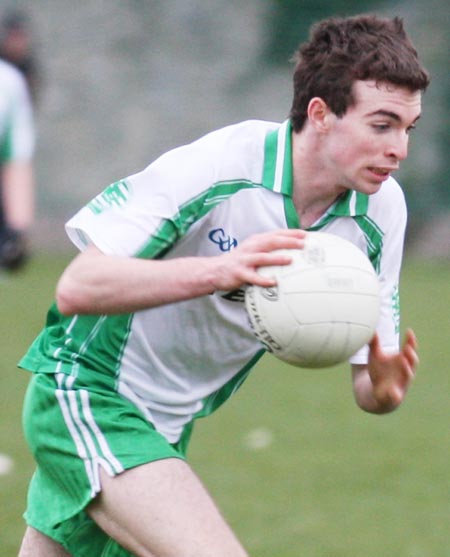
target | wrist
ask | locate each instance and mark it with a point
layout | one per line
(375, 399)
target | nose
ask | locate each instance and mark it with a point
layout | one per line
(398, 149)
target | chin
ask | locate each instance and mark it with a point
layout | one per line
(368, 188)
(374, 187)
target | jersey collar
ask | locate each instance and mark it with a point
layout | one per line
(278, 175)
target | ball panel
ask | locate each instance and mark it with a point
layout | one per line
(329, 279)
(317, 346)
(334, 307)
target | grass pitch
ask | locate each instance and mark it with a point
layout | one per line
(296, 467)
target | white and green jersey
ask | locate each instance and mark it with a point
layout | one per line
(182, 360)
(16, 120)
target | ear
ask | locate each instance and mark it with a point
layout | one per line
(319, 114)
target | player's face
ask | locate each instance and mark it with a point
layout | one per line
(371, 139)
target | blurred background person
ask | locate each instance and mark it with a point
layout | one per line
(17, 140)
(19, 87)
(17, 48)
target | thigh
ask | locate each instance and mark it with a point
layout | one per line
(161, 509)
(36, 544)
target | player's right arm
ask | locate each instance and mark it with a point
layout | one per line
(95, 283)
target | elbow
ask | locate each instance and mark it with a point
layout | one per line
(68, 299)
(64, 307)
(79, 289)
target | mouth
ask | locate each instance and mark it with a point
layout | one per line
(381, 172)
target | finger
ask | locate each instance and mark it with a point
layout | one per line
(275, 243)
(266, 259)
(280, 239)
(411, 356)
(260, 280)
(410, 348)
(409, 371)
(410, 338)
(281, 234)
(294, 232)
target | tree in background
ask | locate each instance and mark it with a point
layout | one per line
(290, 20)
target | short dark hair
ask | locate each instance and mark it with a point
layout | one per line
(341, 51)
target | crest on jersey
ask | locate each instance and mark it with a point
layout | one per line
(224, 241)
(115, 195)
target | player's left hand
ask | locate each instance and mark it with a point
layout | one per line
(392, 374)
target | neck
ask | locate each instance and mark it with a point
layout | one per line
(314, 187)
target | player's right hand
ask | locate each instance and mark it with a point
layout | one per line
(240, 266)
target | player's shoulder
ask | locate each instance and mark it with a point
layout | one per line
(10, 75)
(232, 152)
(247, 131)
(388, 207)
(224, 143)
(389, 196)
(236, 150)
(246, 127)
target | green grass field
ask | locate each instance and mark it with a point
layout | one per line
(297, 469)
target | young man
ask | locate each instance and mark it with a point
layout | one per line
(149, 331)
(17, 139)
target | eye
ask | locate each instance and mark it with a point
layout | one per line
(380, 128)
(410, 128)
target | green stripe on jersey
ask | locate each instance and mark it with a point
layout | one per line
(278, 173)
(216, 399)
(374, 239)
(190, 212)
(6, 145)
(291, 213)
(91, 341)
(199, 206)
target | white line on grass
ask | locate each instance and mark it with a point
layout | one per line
(258, 439)
(6, 464)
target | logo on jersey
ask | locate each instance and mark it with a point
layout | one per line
(115, 195)
(224, 241)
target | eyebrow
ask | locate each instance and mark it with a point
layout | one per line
(387, 113)
(390, 114)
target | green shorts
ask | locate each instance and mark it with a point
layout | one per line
(74, 426)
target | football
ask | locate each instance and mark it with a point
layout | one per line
(324, 307)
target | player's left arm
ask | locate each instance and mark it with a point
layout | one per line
(17, 150)
(382, 376)
(381, 385)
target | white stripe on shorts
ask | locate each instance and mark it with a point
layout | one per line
(74, 433)
(85, 431)
(110, 458)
